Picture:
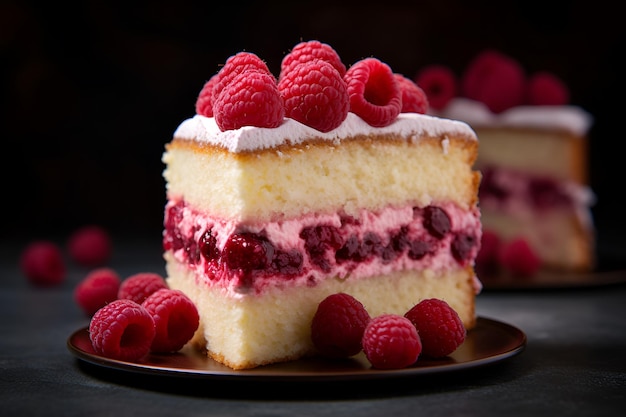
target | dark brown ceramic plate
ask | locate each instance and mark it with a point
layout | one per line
(490, 341)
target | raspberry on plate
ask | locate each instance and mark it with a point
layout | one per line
(315, 94)
(390, 341)
(139, 286)
(176, 319)
(42, 263)
(99, 287)
(338, 325)
(90, 246)
(374, 92)
(439, 326)
(122, 330)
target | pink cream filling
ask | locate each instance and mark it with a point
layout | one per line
(248, 258)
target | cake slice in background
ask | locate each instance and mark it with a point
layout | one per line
(535, 196)
(271, 210)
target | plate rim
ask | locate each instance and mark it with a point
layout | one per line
(338, 375)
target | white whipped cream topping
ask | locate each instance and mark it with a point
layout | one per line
(570, 118)
(412, 125)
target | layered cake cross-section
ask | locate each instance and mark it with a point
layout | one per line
(267, 218)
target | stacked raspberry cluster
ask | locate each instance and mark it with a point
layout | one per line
(314, 87)
(495, 79)
(136, 316)
(342, 327)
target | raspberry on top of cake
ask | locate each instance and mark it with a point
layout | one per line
(325, 179)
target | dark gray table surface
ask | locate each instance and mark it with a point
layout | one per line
(574, 363)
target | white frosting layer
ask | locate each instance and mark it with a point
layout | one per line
(412, 125)
(570, 118)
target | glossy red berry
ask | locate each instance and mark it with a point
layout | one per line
(374, 92)
(247, 252)
(414, 99)
(338, 325)
(98, 288)
(139, 286)
(204, 102)
(250, 99)
(235, 65)
(308, 51)
(315, 94)
(439, 326)
(175, 319)
(390, 341)
(122, 330)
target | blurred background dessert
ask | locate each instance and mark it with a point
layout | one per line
(535, 197)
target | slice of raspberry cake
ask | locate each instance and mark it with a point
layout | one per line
(284, 191)
(533, 156)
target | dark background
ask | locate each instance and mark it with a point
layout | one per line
(90, 95)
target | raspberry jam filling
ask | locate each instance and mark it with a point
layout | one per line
(249, 257)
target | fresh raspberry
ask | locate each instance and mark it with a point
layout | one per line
(175, 319)
(235, 65)
(374, 92)
(439, 326)
(139, 286)
(519, 258)
(413, 98)
(204, 102)
(99, 287)
(250, 99)
(122, 330)
(90, 246)
(496, 80)
(338, 325)
(42, 263)
(439, 83)
(487, 257)
(546, 89)
(308, 51)
(390, 341)
(315, 94)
